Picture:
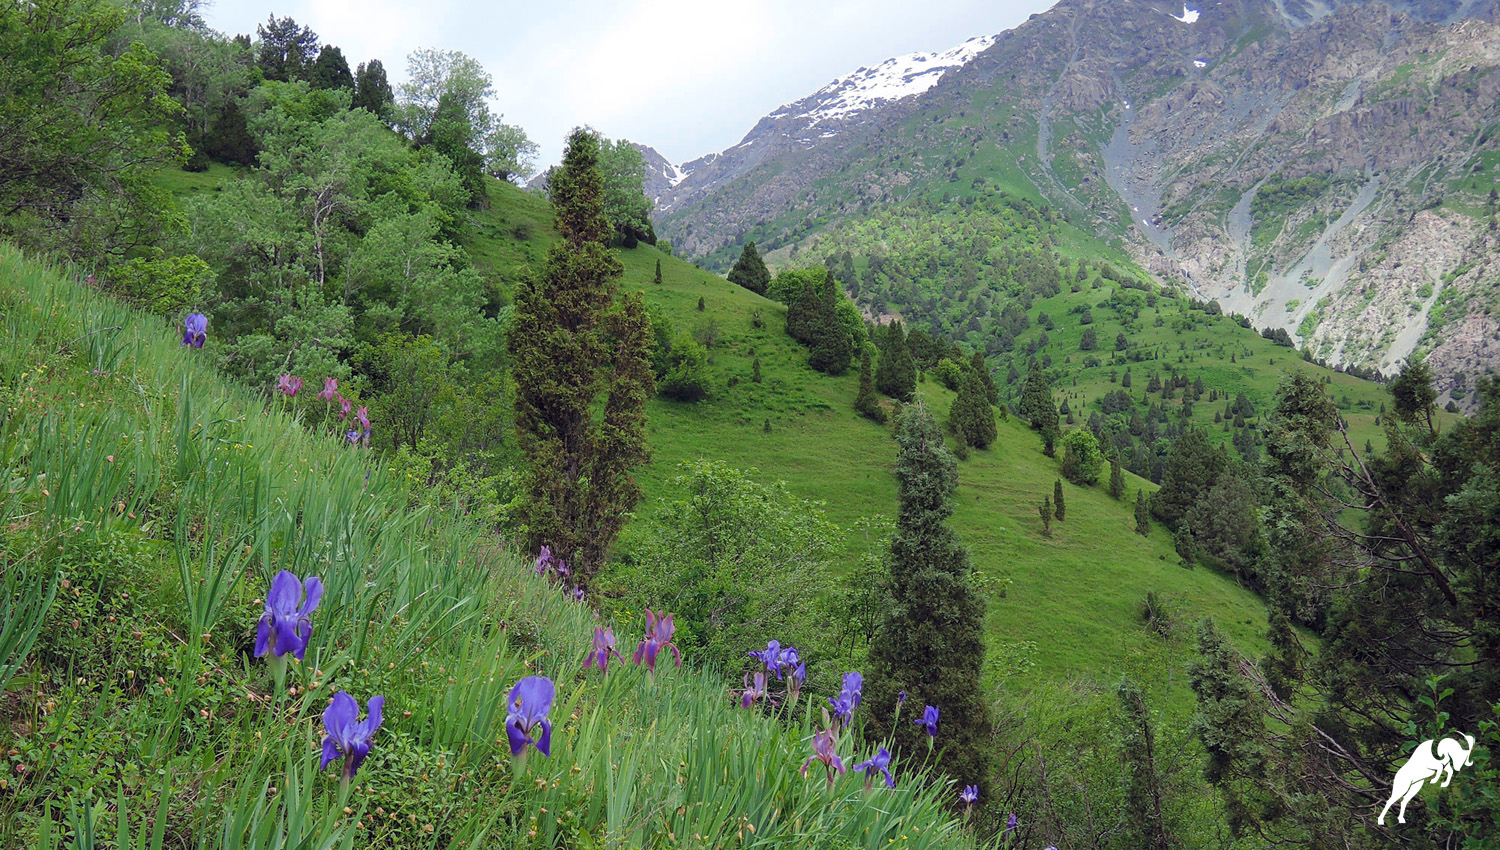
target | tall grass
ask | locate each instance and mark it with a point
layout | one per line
(146, 504)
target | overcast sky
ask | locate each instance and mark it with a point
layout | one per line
(687, 77)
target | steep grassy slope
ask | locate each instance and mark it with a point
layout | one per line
(147, 502)
(1065, 606)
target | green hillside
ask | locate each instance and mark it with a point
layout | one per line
(1074, 597)
(148, 502)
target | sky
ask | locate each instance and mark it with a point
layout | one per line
(687, 77)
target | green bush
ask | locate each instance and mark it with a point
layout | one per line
(164, 285)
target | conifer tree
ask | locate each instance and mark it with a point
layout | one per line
(931, 640)
(1193, 468)
(582, 375)
(802, 321)
(986, 380)
(1142, 514)
(657, 280)
(896, 373)
(1145, 820)
(372, 91)
(1116, 478)
(1036, 400)
(750, 270)
(1058, 507)
(972, 415)
(866, 402)
(755, 370)
(1230, 723)
(1045, 509)
(832, 347)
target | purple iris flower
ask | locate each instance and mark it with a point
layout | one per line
(770, 656)
(1010, 823)
(361, 416)
(881, 763)
(286, 624)
(345, 405)
(578, 594)
(352, 437)
(970, 794)
(659, 631)
(527, 708)
(348, 736)
(755, 691)
(848, 698)
(929, 719)
(795, 679)
(900, 699)
(195, 330)
(604, 647)
(288, 385)
(544, 560)
(330, 389)
(823, 750)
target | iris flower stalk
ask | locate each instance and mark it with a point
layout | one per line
(658, 637)
(286, 623)
(824, 745)
(880, 763)
(349, 737)
(526, 711)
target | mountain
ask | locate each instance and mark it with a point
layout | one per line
(1327, 169)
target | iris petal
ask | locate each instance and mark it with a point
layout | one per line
(517, 738)
(263, 636)
(545, 742)
(286, 591)
(330, 751)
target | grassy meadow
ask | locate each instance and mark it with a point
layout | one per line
(146, 505)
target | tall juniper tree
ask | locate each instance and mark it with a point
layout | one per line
(931, 641)
(866, 402)
(582, 375)
(750, 270)
(972, 415)
(896, 373)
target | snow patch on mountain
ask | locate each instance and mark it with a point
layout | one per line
(1189, 16)
(893, 79)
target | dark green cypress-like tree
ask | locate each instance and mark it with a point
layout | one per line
(986, 380)
(330, 70)
(372, 91)
(1059, 507)
(1145, 818)
(1142, 514)
(867, 402)
(582, 377)
(896, 373)
(750, 270)
(755, 370)
(1045, 509)
(1193, 467)
(972, 415)
(802, 319)
(931, 640)
(657, 280)
(1116, 478)
(1230, 722)
(832, 347)
(1036, 400)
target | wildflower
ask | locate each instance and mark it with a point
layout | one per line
(753, 692)
(544, 560)
(361, 416)
(770, 656)
(353, 438)
(823, 751)
(578, 594)
(843, 707)
(604, 647)
(330, 389)
(900, 699)
(794, 681)
(970, 795)
(929, 719)
(659, 631)
(1010, 823)
(881, 763)
(286, 625)
(195, 330)
(527, 708)
(345, 405)
(348, 736)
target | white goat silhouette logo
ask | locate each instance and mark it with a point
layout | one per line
(1425, 765)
